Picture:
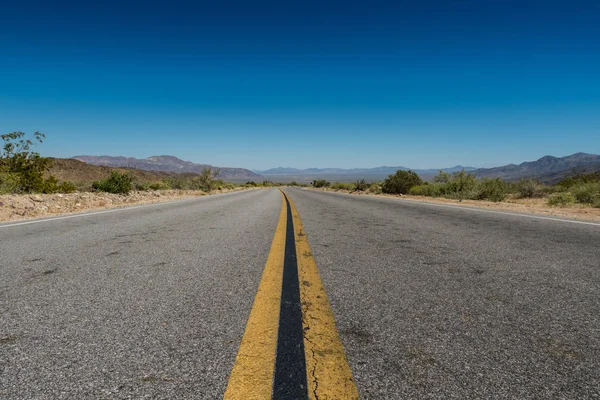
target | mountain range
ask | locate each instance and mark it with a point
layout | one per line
(386, 170)
(166, 163)
(547, 169)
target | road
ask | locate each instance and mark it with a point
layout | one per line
(429, 301)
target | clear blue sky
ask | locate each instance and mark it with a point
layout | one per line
(260, 84)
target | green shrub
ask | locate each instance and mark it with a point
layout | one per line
(66, 187)
(342, 186)
(494, 189)
(119, 183)
(9, 182)
(561, 199)
(206, 181)
(427, 189)
(142, 186)
(293, 183)
(375, 188)
(401, 182)
(361, 185)
(320, 183)
(586, 193)
(157, 186)
(459, 185)
(528, 188)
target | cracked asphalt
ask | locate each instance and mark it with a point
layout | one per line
(148, 303)
(430, 302)
(434, 302)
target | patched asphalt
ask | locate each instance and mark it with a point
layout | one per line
(431, 302)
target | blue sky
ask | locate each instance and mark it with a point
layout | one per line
(305, 84)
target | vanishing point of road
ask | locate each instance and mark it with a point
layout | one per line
(299, 294)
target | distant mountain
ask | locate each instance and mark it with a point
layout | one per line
(384, 170)
(547, 169)
(165, 163)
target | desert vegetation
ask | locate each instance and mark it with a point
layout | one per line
(578, 190)
(22, 170)
(25, 171)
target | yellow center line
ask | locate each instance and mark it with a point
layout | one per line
(252, 374)
(327, 369)
(329, 375)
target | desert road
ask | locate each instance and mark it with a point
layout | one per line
(236, 295)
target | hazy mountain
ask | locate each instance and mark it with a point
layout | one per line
(165, 163)
(384, 170)
(547, 169)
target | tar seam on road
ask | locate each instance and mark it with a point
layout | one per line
(291, 348)
(290, 365)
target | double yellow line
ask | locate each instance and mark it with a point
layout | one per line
(327, 370)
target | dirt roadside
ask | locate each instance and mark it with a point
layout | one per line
(531, 206)
(16, 207)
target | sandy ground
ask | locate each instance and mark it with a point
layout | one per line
(15, 207)
(532, 206)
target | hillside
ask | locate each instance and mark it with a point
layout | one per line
(71, 170)
(547, 169)
(166, 164)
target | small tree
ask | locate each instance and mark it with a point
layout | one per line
(24, 168)
(401, 182)
(361, 186)
(207, 179)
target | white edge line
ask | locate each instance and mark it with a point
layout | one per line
(474, 209)
(124, 208)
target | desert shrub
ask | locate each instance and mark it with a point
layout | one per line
(119, 183)
(459, 185)
(361, 185)
(293, 183)
(375, 188)
(401, 182)
(66, 187)
(427, 189)
(142, 186)
(267, 183)
(221, 184)
(206, 181)
(462, 185)
(586, 193)
(494, 189)
(250, 183)
(157, 186)
(9, 182)
(528, 188)
(442, 177)
(342, 186)
(561, 199)
(320, 183)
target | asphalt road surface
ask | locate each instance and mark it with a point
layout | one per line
(430, 301)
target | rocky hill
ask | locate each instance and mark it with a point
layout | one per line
(547, 169)
(165, 163)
